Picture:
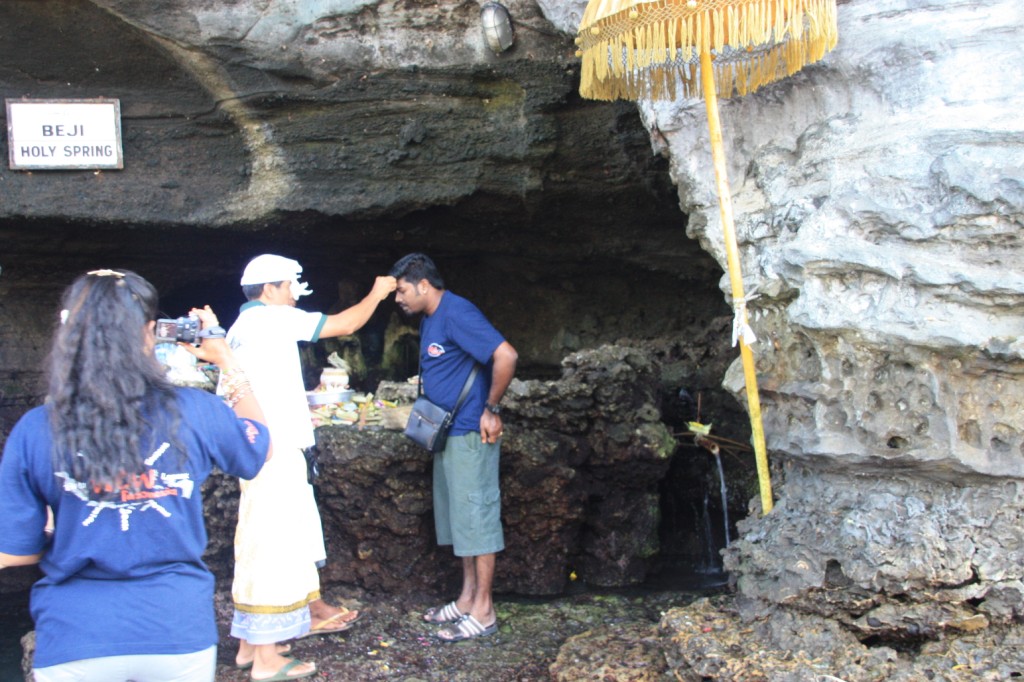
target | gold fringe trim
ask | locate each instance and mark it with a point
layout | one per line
(249, 608)
(649, 49)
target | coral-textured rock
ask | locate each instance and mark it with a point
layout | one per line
(878, 199)
(711, 640)
(582, 459)
(899, 541)
(633, 653)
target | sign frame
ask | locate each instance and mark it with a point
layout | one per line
(53, 151)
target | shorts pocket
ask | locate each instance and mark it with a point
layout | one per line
(486, 498)
(486, 507)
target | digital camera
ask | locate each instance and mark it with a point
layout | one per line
(185, 329)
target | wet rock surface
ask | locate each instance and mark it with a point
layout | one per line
(670, 636)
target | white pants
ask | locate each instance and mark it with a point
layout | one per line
(200, 666)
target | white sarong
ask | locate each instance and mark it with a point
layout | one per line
(278, 542)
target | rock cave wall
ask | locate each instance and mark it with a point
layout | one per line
(878, 204)
(878, 200)
(346, 135)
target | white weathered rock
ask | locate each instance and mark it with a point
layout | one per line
(564, 14)
(878, 198)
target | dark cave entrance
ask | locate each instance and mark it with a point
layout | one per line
(565, 230)
(567, 233)
(547, 303)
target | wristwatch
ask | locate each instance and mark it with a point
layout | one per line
(493, 409)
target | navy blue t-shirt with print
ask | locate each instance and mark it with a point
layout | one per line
(123, 575)
(451, 339)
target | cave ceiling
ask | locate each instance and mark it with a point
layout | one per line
(345, 135)
(499, 155)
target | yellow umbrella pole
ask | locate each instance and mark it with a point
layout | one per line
(707, 76)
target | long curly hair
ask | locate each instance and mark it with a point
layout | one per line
(108, 395)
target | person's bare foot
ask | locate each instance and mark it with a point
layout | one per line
(246, 654)
(320, 611)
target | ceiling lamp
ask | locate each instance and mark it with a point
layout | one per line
(497, 25)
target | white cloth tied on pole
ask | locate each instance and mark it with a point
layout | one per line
(740, 326)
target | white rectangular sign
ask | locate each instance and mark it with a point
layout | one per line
(63, 134)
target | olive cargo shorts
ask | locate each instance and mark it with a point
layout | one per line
(467, 499)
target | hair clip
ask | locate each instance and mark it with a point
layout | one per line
(106, 273)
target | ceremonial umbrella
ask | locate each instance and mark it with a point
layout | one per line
(661, 49)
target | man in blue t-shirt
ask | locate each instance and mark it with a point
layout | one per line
(454, 338)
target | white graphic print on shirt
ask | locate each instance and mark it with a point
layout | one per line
(148, 488)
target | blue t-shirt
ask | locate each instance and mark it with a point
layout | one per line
(451, 339)
(123, 576)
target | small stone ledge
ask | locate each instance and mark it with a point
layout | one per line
(895, 558)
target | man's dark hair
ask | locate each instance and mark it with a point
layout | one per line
(415, 267)
(254, 291)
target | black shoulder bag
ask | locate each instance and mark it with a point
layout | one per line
(429, 424)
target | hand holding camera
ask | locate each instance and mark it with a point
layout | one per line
(199, 333)
(191, 329)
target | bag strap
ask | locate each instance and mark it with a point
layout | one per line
(465, 387)
(419, 365)
(462, 394)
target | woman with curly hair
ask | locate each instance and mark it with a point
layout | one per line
(117, 455)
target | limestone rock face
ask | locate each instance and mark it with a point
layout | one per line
(878, 197)
(878, 201)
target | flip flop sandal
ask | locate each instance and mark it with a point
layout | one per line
(323, 627)
(282, 674)
(439, 615)
(466, 627)
(246, 666)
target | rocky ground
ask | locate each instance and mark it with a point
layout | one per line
(708, 639)
(392, 643)
(707, 635)
(639, 637)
